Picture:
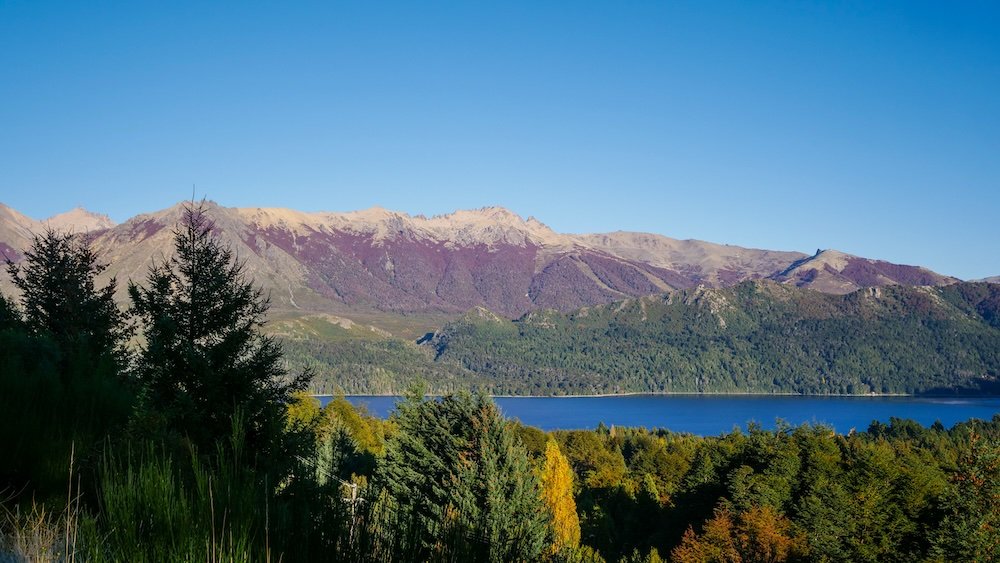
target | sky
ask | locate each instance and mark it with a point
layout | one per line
(868, 127)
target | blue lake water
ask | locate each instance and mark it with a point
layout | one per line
(715, 414)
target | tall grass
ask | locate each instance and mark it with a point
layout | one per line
(153, 508)
(42, 534)
(149, 507)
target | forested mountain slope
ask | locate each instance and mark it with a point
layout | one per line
(757, 337)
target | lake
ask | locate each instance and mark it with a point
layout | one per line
(715, 414)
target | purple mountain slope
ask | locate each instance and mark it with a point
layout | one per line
(380, 260)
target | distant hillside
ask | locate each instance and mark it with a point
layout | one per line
(758, 337)
(355, 358)
(831, 271)
(378, 261)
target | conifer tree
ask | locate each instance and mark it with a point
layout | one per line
(456, 473)
(499, 492)
(205, 361)
(62, 388)
(60, 299)
(557, 492)
(10, 317)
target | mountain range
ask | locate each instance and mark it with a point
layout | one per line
(379, 261)
(372, 300)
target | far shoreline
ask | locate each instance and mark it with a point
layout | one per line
(691, 393)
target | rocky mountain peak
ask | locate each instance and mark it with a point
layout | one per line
(489, 226)
(485, 226)
(79, 220)
(13, 218)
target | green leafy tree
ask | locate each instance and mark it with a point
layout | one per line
(205, 360)
(970, 530)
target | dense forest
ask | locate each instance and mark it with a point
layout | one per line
(374, 366)
(171, 431)
(756, 337)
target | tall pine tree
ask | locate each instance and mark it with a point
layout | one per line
(456, 470)
(205, 364)
(60, 300)
(62, 388)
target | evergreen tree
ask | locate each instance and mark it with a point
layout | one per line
(205, 361)
(456, 473)
(500, 494)
(10, 317)
(557, 492)
(61, 375)
(60, 299)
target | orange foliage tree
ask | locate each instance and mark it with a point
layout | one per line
(758, 535)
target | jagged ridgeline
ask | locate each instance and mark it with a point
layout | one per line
(757, 337)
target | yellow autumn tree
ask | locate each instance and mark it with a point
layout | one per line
(303, 411)
(557, 492)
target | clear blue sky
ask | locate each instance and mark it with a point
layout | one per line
(870, 127)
